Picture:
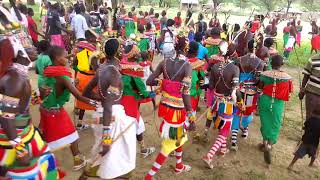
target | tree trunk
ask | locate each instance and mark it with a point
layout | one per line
(288, 7)
(139, 3)
(114, 3)
(31, 2)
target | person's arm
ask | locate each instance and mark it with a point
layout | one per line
(34, 28)
(88, 90)
(186, 87)
(152, 80)
(74, 91)
(112, 94)
(307, 72)
(211, 79)
(141, 87)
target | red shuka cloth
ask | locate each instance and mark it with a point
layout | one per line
(283, 90)
(56, 71)
(131, 107)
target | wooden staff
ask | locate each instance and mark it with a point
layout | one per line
(98, 158)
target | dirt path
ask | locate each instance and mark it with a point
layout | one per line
(246, 164)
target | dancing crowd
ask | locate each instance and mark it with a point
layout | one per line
(105, 59)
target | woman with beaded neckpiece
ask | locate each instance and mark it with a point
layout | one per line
(276, 86)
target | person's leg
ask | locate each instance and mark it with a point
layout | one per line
(180, 167)
(313, 158)
(78, 160)
(294, 160)
(145, 151)
(160, 160)
(234, 132)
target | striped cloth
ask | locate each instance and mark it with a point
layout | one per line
(312, 69)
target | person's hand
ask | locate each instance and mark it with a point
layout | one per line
(105, 149)
(25, 160)
(45, 91)
(93, 103)
(301, 93)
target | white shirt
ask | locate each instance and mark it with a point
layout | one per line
(24, 20)
(79, 26)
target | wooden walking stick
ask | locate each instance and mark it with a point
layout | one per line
(301, 103)
(98, 158)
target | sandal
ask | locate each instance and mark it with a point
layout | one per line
(186, 168)
(208, 162)
(148, 152)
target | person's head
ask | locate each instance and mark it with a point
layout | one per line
(163, 13)
(55, 7)
(57, 55)
(268, 42)
(179, 14)
(251, 45)
(224, 27)
(62, 11)
(170, 22)
(151, 12)
(30, 12)
(193, 49)
(130, 15)
(23, 9)
(77, 9)
(43, 47)
(133, 9)
(70, 9)
(111, 47)
(95, 7)
(82, 8)
(277, 61)
(236, 28)
(148, 26)
(146, 14)
(313, 23)
(141, 13)
(288, 23)
(198, 37)
(32, 53)
(181, 45)
(156, 15)
(141, 28)
(299, 22)
(256, 17)
(231, 51)
(248, 25)
(90, 37)
(6, 55)
(215, 32)
(200, 17)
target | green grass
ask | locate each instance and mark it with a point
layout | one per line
(299, 56)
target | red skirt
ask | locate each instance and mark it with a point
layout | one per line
(315, 42)
(58, 129)
(194, 102)
(131, 107)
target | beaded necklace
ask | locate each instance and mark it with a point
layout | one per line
(99, 84)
